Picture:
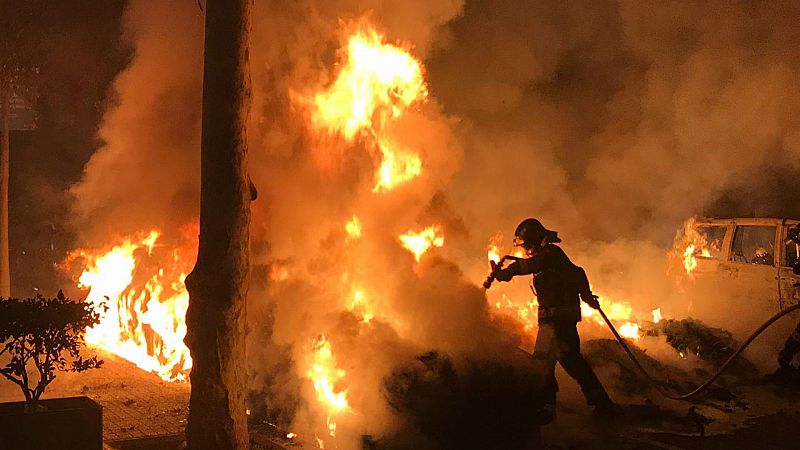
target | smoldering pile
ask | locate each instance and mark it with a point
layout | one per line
(712, 345)
(709, 347)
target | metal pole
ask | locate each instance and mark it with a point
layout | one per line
(5, 270)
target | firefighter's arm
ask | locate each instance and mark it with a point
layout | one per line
(585, 290)
(525, 266)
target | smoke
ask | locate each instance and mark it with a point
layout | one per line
(147, 172)
(610, 121)
(614, 121)
(635, 114)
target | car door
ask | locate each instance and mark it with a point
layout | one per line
(789, 292)
(751, 271)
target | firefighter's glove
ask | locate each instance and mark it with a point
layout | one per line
(592, 300)
(503, 275)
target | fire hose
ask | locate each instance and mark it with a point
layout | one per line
(496, 267)
(719, 371)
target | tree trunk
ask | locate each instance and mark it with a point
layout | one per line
(218, 283)
(5, 269)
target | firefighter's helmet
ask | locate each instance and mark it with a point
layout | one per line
(531, 233)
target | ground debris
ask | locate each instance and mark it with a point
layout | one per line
(608, 354)
(712, 345)
(476, 404)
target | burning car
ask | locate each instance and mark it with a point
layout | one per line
(745, 261)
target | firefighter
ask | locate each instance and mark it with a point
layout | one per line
(558, 285)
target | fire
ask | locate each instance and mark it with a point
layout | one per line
(494, 248)
(616, 312)
(420, 242)
(493, 254)
(629, 330)
(376, 84)
(146, 305)
(657, 315)
(620, 313)
(353, 228)
(688, 245)
(359, 305)
(327, 379)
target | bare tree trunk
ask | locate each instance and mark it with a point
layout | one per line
(218, 283)
(5, 270)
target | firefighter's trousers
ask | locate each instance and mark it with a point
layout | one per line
(558, 342)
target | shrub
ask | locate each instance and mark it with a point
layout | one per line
(47, 333)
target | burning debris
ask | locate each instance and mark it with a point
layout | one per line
(688, 337)
(141, 285)
(712, 345)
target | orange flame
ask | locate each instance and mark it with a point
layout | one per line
(145, 322)
(327, 380)
(419, 242)
(657, 315)
(616, 312)
(688, 245)
(359, 305)
(377, 83)
(353, 228)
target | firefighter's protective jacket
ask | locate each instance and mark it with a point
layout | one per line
(556, 282)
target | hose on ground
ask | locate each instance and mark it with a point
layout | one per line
(719, 371)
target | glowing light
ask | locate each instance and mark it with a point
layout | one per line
(146, 305)
(327, 379)
(376, 84)
(493, 254)
(419, 242)
(360, 306)
(278, 272)
(353, 228)
(657, 315)
(629, 330)
(325, 375)
(291, 435)
(688, 245)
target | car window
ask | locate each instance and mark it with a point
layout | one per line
(792, 251)
(754, 245)
(713, 235)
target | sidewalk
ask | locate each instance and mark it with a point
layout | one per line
(136, 404)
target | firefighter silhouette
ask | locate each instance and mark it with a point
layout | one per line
(559, 285)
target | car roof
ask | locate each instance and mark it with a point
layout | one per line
(744, 221)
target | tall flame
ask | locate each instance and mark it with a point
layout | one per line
(327, 379)
(689, 243)
(145, 305)
(377, 83)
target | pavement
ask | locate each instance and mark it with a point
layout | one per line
(143, 412)
(761, 415)
(136, 404)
